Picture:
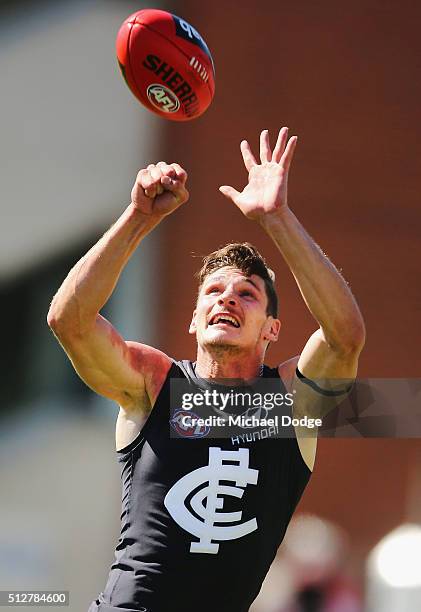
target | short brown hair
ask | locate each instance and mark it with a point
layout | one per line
(245, 257)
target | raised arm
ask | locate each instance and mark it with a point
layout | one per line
(122, 371)
(332, 352)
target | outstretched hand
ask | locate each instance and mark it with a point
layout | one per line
(266, 191)
(160, 189)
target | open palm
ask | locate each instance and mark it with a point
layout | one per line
(266, 191)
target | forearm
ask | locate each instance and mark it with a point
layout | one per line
(324, 290)
(91, 281)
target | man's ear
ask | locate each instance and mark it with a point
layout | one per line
(272, 330)
(193, 328)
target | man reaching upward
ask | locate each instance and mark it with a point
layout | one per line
(202, 518)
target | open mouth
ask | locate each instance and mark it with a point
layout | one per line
(225, 319)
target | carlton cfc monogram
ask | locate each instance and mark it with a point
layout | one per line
(237, 471)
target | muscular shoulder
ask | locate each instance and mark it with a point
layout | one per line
(154, 366)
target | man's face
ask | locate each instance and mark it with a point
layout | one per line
(231, 312)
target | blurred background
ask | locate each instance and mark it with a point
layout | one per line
(343, 76)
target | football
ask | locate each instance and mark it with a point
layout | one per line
(166, 64)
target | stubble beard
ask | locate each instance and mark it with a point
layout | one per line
(222, 349)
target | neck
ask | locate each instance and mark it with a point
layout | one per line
(223, 363)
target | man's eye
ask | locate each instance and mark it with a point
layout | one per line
(212, 290)
(246, 293)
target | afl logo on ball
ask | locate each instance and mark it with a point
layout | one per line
(183, 422)
(163, 98)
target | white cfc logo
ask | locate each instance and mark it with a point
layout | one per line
(237, 471)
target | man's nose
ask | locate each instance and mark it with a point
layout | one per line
(227, 297)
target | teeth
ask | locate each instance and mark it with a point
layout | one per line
(219, 318)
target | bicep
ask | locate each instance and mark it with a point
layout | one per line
(319, 360)
(108, 364)
(324, 378)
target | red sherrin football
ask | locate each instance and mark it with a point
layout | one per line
(166, 64)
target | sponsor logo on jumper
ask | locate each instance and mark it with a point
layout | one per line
(207, 502)
(185, 427)
(261, 434)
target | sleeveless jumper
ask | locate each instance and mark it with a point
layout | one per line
(201, 518)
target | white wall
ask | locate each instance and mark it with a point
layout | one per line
(72, 138)
(72, 134)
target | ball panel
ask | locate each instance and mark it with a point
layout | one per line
(159, 68)
(122, 47)
(151, 73)
(155, 60)
(186, 38)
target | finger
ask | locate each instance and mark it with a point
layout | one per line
(180, 172)
(145, 180)
(288, 154)
(150, 193)
(141, 174)
(280, 145)
(248, 157)
(159, 188)
(151, 190)
(166, 169)
(229, 192)
(156, 175)
(176, 187)
(148, 184)
(265, 152)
